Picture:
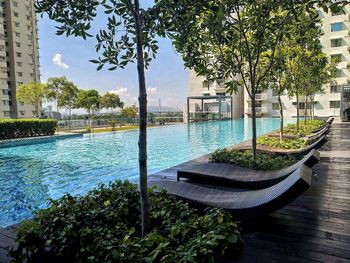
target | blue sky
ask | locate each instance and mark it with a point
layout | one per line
(61, 56)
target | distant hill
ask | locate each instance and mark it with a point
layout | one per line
(163, 108)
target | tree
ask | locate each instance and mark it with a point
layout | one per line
(232, 40)
(225, 39)
(129, 36)
(111, 101)
(68, 98)
(54, 86)
(129, 112)
(303, 35)
(32, 93)
(89, 100)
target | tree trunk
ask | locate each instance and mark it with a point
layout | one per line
(145, 203)
(69, 118)
(281, 115)
(254, 125)
(305, 112)
(297, 96)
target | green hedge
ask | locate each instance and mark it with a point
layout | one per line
(105, 226)
(22, 128)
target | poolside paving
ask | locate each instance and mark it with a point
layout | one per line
(314, 228)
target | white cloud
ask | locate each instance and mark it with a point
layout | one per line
(151, 90)
(120, 91)
(57, 60)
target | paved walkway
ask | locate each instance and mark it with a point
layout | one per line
(314, 228)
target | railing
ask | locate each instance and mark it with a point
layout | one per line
(262, 96)
(258, 110)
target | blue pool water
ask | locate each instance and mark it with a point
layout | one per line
(30, 175)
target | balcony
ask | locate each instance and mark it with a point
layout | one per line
(259, 97)
(260, 111)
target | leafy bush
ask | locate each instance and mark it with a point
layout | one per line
(245, 159)
(104, 226)
(304, 130)
(282, 144)
(21, 128)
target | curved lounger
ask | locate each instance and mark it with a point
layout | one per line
(237, 176)
(250, 203)
(299, 153)
(329, 122)
(314, 146)
(319, 134)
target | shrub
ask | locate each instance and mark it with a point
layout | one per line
(304, 130)
(21, 128)
(104, 226)
(245, 159)
(282, 144)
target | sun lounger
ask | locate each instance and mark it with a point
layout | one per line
(250, 203)
(237, 176)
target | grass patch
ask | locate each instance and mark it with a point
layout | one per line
(110, 129)
(282, 144)
(304, 130)
(104, 226)
(245, 159)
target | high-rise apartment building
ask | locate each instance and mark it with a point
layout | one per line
(335, 101)
(19, 55)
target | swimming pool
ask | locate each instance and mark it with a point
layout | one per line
(31, 174)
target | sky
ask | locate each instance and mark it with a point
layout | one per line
(166, 79)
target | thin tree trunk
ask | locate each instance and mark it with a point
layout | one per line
(254, 125)
(305, 111)
(297, 96)
(69, 118)
(145, 203)
(281, 115)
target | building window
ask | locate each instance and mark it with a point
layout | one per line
(5, 92)
(15, 4)
(302, 105)
(6, 113)
(334, 104)
(18, 54)
(338, 42)
(19, 64)
(335, 88)
(206, 84)
(335, 27)
(340, 11)
(337, 58)
(22, 113)
(16, 24)
(275, 106)
(20, 74)
(15, 14)
(18, 44)
(21, 103)
(17, 34)
(338, 73)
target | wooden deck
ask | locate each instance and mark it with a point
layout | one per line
(314, 228)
